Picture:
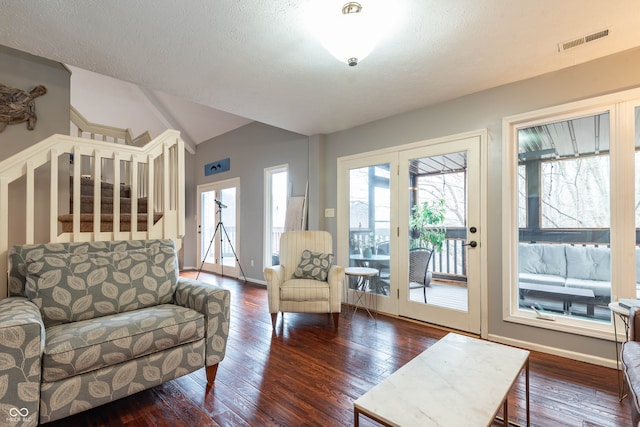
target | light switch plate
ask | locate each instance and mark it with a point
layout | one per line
(329, 212)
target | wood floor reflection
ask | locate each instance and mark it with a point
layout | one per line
(308, 374)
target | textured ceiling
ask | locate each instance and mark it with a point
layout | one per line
(259, 60)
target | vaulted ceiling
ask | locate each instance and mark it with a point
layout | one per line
(210, 66)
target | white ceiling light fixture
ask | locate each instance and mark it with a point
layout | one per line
(357, 42)
(351, 33)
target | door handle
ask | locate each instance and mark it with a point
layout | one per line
(472, 243)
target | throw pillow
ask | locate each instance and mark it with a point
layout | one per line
(71, 287)
(314, 265)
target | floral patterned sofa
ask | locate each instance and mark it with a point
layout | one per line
(87, 323)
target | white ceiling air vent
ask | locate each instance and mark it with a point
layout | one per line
(583, 40)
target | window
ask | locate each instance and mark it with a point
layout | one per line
(443, 179)
(370, 201)
(370, 220)
(522, 196)
(449, 187)
(575, 192)
(275, 211)
(568, 178)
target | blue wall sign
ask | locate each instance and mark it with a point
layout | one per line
(216, 167)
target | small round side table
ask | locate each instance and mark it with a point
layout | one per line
(623, 314)
(363, 288)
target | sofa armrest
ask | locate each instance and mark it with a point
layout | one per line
(630, 357)
(22, 337)
(214, 303)
(634, 324)
(275, 277)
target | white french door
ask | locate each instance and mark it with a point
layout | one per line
(368, 222)
(218, 227)
(376, 197)
(445, 178)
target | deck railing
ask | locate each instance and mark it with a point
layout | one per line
(450, 263)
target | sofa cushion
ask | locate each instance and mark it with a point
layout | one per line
(599, 288)
(304, 290)
(590, 263)
(542, 258)
(541, 279)
(630, 357)
(69, 287)
(84, 346)
(20, 253)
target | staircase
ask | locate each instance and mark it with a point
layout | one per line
(132, 182)
(87, 202)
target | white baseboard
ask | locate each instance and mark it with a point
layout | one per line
(255, 281)
(600, 361)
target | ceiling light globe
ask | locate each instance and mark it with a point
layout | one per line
(353, 34)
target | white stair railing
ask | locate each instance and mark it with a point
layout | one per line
(86, 129)
(161, 162)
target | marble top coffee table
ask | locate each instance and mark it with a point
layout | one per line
(458, 381)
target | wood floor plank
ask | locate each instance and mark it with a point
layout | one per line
(307, 373)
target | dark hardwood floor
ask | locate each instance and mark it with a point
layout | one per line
(308, 374)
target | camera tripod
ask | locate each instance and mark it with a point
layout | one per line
(220, 226)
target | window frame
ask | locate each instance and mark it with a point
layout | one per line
(620, 107)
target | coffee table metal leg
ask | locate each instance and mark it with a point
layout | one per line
(505, 412)
(505, 408)
(621, 387)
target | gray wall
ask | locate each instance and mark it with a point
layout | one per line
(486, 110)
(251, 149)
(24, 71)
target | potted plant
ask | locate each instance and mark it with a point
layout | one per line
(426, 225)
(369, 247)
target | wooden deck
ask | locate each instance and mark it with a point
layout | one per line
(443, 295)
(454, 296)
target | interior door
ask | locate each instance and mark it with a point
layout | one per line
(439, 276)
(218, 227)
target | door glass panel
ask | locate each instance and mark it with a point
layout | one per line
(564, 261)
(277, 205)
(209, 221)
(438, 230)
(218, 215)
(369, 222)
(228, 227)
